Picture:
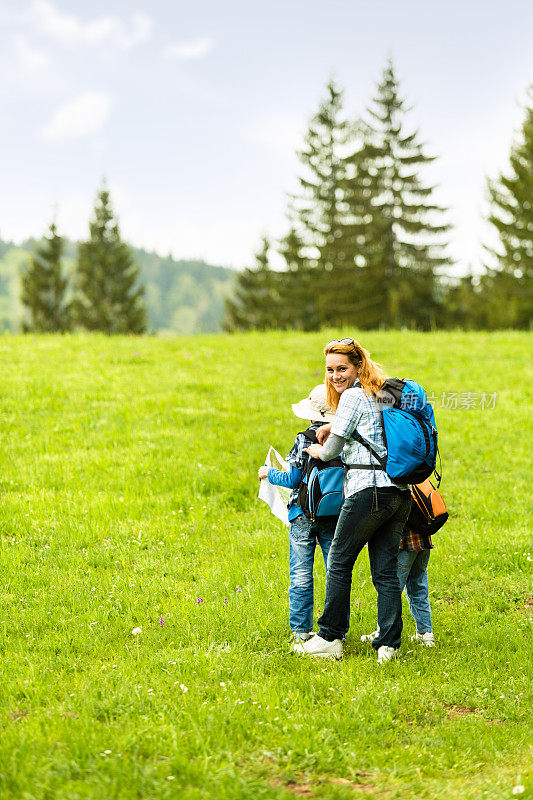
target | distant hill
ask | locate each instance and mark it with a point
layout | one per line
(181, 296)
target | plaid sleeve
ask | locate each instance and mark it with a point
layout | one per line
(348, 413)
(296, 456)
(414, 541)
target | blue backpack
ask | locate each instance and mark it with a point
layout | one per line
(321, 490)
(410, 433)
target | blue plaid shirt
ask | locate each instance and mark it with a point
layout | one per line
(359, 412)
(297, 461)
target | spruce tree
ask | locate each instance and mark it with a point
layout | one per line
(396, 238)
(299, 301)
(255, 301)
(108, 296)
(508, 286)
(316, 210)
(44, 288)
(352, 293)
(464, 305)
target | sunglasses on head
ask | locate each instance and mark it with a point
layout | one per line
(341, 341)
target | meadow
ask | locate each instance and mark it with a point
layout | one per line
(129, 501)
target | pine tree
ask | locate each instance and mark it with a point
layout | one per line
(255, 301)
(509, 286)
(108, 296)
(464, 305)
(395, 237)
(352, 293)
(44, 288)
(316, 211)
(298, 297)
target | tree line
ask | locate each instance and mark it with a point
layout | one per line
(103, 293)
(366, 243)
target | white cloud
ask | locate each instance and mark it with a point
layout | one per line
(79, 118)
(189, 50)
(30, 57)
(105, 30)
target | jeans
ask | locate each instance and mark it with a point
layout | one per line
(380, 525)
(303, 538)
(413, 575)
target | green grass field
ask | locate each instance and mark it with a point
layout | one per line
(129, 500)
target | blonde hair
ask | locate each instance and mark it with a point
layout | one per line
(370, 374)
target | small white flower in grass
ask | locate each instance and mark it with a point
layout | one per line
(137, 631)
(107, 752)
(183, 688)
(171, 778)
(519, 789)
(222, 684)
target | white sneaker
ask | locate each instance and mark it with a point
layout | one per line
(299, 637)
(369, 637)
(427, 639)
(386, 653)
(317, 646)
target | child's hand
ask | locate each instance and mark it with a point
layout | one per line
(314, 450)
(262, 473)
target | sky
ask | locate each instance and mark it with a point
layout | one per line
(193, 112)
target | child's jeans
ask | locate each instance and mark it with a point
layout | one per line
(303, 538)
(413, 575)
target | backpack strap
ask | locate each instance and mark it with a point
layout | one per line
(381, 460)
(438, 474)
(364, 466)
(310, 433)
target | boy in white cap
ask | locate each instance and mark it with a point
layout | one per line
(304, 534)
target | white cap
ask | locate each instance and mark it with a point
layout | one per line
(315, 407)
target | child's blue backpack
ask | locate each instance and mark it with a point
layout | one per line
(410, 432)
(320, 493)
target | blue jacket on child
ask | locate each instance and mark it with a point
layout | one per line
(297, 461)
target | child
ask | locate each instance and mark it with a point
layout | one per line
(413, 561)
(303, 534)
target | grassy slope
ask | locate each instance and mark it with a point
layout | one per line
(129, 491)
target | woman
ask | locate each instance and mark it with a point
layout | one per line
(375, 509)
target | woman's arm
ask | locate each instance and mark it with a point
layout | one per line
(330, 449)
